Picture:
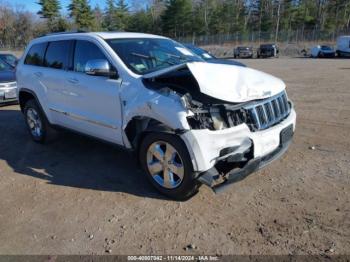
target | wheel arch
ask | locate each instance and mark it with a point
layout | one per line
(24, 95)
(139, 126)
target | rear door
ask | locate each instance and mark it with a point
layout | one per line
(92, 102)
(29, 74)
(53, 75)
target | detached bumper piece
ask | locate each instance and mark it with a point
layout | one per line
(219, 182)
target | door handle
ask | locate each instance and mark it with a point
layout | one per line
(73, 80)
(38, 74)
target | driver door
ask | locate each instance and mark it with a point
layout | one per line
(92, 102)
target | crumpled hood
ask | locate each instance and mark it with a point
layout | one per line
(230, 83)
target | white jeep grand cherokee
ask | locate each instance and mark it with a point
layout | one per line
(190, 122)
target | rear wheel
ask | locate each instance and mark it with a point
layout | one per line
(38, 126)
(167, 164)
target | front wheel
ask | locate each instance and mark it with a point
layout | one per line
(165, 159)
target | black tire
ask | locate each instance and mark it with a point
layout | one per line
(188, 186)
(47, 132)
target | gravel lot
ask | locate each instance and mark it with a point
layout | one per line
(79, 196)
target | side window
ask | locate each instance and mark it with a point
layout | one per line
(36, 54)
(85, 51)
(57, 54)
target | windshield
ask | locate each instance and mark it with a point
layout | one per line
(9, 59)
(146, 55)
(4, 66)
(200, 52)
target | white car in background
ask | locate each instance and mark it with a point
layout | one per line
(8, 85)
(190, 122)
(343, 46)
(321, 51)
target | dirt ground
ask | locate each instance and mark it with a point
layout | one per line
(79, 196)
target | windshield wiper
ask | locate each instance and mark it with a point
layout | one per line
(153, 58)
(143, 56)
(182, 57)
(167, 61)
(172, 55)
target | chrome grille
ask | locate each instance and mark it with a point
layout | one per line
(268, 112)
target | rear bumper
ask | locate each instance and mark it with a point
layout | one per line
(244, 55)
(267, 55)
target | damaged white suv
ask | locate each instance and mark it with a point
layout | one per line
(190, 122)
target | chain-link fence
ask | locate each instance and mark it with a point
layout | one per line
(297, 36)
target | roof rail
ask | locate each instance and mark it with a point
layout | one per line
(67, 32)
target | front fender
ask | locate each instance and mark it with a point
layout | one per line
(164, 107)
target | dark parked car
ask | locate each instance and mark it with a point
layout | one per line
(268, 50)
(8, 85)
(243, 52)
(9, 58)
(211, 58)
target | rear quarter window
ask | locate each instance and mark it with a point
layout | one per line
(35, 55)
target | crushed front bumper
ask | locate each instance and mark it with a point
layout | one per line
(256, 163)
(208, 148)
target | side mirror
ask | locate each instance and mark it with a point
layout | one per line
(100, 67)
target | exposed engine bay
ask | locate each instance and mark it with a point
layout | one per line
(215, 114)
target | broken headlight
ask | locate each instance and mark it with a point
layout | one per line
(207, 119)
(217, 117)
(218, 121)
(186, 101)
(201, 121)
